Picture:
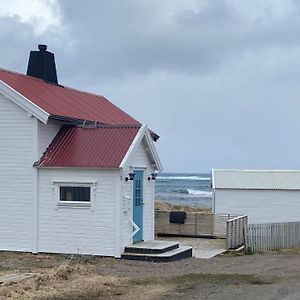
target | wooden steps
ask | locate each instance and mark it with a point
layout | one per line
(157, 251)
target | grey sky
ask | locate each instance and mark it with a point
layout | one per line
(217, 79)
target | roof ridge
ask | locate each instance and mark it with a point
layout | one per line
(60, 85)
(30, 77)
(13, 72)
(85, 92)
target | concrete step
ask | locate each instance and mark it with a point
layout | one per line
(175, 254)
(149, 247)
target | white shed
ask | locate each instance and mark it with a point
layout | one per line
(266, 196)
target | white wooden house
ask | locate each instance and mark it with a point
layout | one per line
(266, 196)
(76, 172)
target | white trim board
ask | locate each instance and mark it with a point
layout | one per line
(143, 132)
(23, 102)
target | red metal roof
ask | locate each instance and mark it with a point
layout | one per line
(103, 147)
(66, 102)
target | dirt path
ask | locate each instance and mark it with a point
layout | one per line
(268, 276)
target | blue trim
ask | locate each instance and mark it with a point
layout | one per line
(138, 203)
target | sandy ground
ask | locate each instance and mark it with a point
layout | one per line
(230, 276)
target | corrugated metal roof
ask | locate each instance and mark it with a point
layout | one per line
(66, 102)
(103, 147)
(256, 179)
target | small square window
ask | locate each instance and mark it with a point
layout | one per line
(75, 193)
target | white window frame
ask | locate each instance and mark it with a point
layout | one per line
(56, 185)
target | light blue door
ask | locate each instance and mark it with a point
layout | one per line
(138, 204)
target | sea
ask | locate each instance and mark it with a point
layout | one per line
(191, 189)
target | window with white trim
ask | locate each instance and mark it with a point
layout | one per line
(75, 194)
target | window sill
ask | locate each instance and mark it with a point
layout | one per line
(73, 204)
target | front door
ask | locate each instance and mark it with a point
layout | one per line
(138, 204)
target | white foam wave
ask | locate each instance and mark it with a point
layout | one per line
(199, 193)
(183, 178)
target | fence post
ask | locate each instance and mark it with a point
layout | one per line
(227, 235)
(246, 244)
(196, 218)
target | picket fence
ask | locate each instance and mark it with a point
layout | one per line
(272, 236)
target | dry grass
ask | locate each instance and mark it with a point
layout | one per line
(66, 281)
(61, 277)
(75, 281)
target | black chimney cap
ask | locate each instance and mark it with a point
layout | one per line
(41, 65)
(42, 47)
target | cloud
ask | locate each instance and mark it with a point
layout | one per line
(41, 15)
(134, 37)
(264, 10)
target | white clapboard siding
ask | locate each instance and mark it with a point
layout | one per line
(140, 160)
(261, 206)
(272, 236)
(46, 133)
(78, 230)
(16, 177)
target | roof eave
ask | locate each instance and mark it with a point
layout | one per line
(23, 102)
(72, 121)
(153, 150)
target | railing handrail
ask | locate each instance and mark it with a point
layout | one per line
(135, 226)
(235, 231)
(236, 218)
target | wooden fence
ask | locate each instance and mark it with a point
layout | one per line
(196, 224)
(235, 231)
(273, 236)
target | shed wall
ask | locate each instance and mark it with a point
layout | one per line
(17, 142)
(78, 230)
(261, 206)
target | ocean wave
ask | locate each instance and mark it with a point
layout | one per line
(194, 192)
(199, 193)
(183, 178)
